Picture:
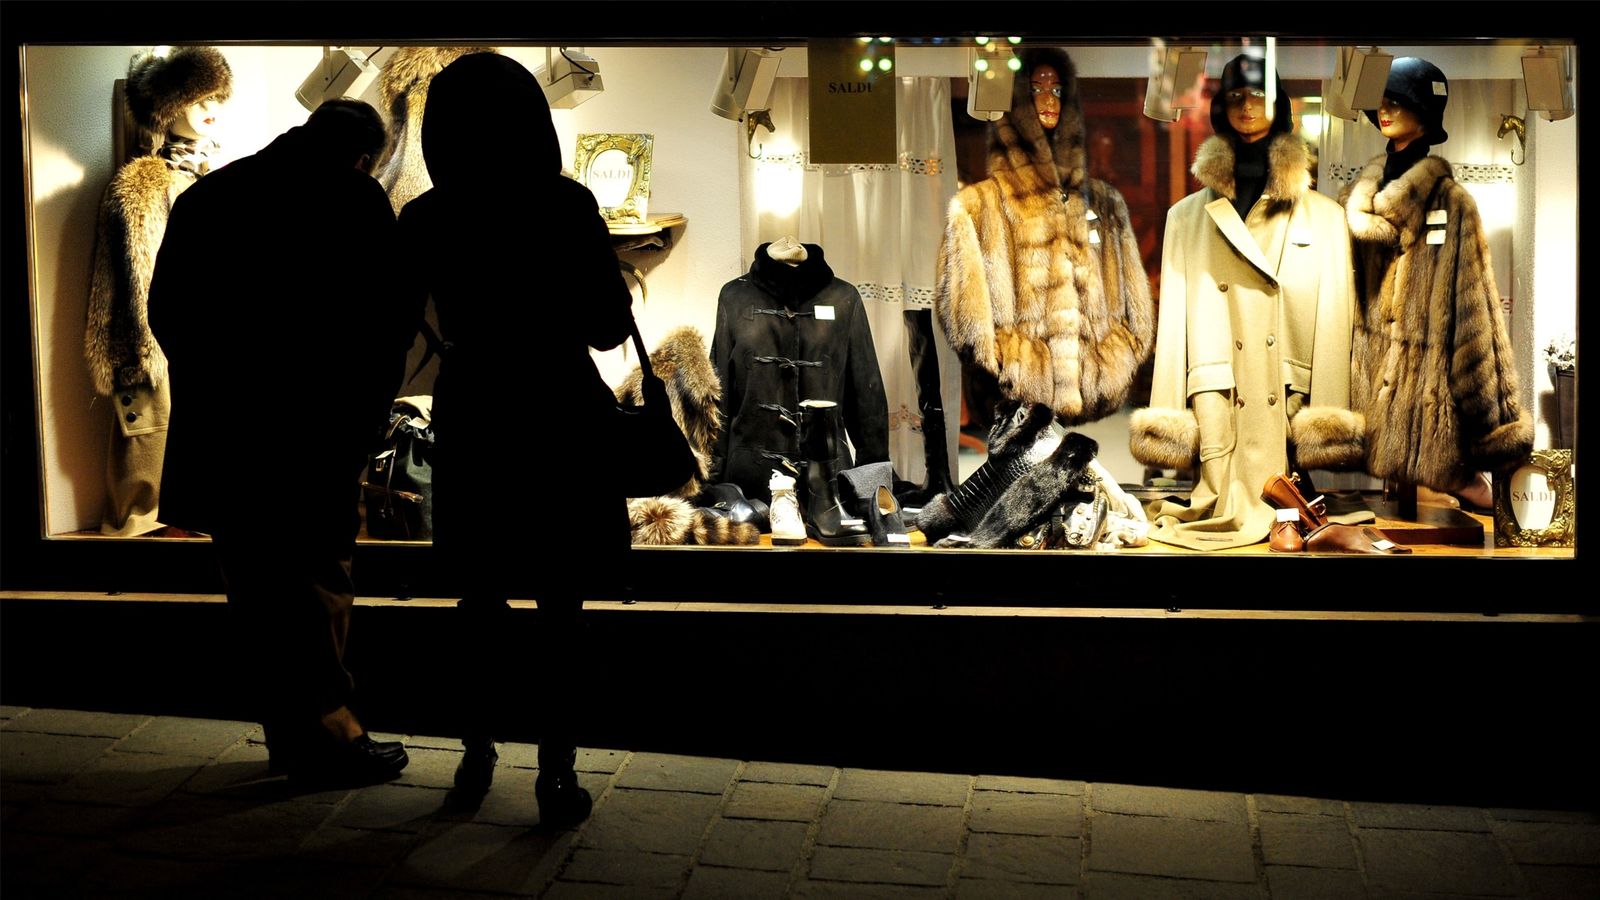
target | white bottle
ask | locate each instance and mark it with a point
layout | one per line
(788, 529)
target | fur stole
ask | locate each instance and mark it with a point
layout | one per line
(118, 345)
(682, 362)
(1288, 168)
(403, 91)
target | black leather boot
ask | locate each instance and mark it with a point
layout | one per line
(475, 772)
(930, 402)
(562, 802)
(1020, 439)
(826, 518)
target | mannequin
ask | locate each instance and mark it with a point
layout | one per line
(1433, 368)
(175, 100)
(794, 354)
(1253, 344)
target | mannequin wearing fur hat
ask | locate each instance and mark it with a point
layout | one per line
(1253, 344)
(174, 99)
(1433, 367)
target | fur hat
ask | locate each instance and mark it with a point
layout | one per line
(1419, 86)
(161, 87)
(1244, 71)
(1063, 146)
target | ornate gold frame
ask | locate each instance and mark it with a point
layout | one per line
(1557, 465)
(639, 148)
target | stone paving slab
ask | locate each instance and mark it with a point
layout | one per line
(1113, 886)
(76, 722)
(575, 890)
(129, 779)
(780, 802)
(1305, 806)
(754, 844)
(46, 758)
(682, 774)
(1027, 785)
(77, 819)
(1572, 816)
(1292, 840)
(902, 787)
(627, 867)
(890, 826)
(834, 890)
(510, 800)
(1561, 882)
(472, 857)
(438, 742)
(1551, 843)
(1016, 857)
(713, 883)
(1178, 848)
(390, 807)
(430, 768)
(978, 889)
(882, 866)
(656, 821)
(206, 828)
(1207, 806)
(11, 712)
(186, 737)
(1004, 812)
(786, 773)
(417, 892)
(357, 846)
(1418, 817)
(1295, 883)
(593, 760)
(1442, 861)
(237, 768)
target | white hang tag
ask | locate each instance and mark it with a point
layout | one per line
(1094, 236)
(852, 523)
(1439, 88)
(1092, 215)
(1384, 544)
(1288, 515)
(1300, 237)
(1438, 217)
(899, 538)
(1436, 236)
(824, 312)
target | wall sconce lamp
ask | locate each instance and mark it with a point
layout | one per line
(1177, 75)
(343, 72)
(569, 78)
(1359, 77)
(744, 92)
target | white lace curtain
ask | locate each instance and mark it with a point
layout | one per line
(879, 226)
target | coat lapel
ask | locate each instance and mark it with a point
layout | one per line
(1233, 230)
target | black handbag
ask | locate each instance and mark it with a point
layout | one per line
(653, 456)
(399, 491)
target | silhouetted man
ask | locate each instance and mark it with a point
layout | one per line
(285, 326)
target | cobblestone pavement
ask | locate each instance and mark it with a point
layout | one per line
(107, 805)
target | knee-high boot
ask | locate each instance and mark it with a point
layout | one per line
(930, 403)
(826, 518)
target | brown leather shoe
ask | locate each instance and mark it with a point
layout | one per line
(1286, 536)
(1283, 492)
(1336, 538)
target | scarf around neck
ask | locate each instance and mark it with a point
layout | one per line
(184, 155)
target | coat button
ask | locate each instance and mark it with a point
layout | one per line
(1238, 345)
(132, 417)
(127, 399)
(1271, 340)
(1222, 286)
(1239, 402)
(1272, 399)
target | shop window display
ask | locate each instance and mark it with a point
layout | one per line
(1066, 270)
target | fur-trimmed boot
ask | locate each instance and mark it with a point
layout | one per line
(1019, 440)
(1033, 496)
(827, 520)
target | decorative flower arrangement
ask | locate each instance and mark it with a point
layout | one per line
(1561, 354)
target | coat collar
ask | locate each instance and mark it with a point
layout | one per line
(1288, 167)
(1393, 215)
(793, 285)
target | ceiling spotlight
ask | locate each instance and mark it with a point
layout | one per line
(885, 64)
(1359, 77)
(1175, 77)
(989, 83)
(569, 77)
(981, 40)
(1014, 40)
(746, 82)
(1544, 74)
(1014, 64)
(343, 72)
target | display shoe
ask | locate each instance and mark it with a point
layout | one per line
(866, 492)
(935, 444)
(728, 500)
(788, 529)
(475, 772)
(825, 516)
(324, 761)
(1336, 538)
(1283, 492)
(1020, 439)
(562, 801)
(1034, 495)
(1285, 536)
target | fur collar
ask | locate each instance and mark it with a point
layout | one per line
(1288, 167)
(1017, 142)
(1393, 215)
(793, 285)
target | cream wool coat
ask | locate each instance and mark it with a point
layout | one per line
(1253, 343)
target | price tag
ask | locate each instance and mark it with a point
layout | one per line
(1438, 217)
(1288, 515)
(899, 538)
(1436, 236)
(1384, 544)
(1094, 235)
(851, 523)
(824, 312)
(1092, 215)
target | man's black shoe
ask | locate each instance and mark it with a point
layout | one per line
(361, 761)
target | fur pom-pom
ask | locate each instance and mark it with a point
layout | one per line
(1327, 437)
(1169, 438)
(660, 521)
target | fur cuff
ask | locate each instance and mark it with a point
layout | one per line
(1328, 437)
(1504, 445)
(1169, 438)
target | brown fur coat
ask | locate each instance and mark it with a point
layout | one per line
(403, 90)
(1040, 281)
(117, 343)
(1433, 368)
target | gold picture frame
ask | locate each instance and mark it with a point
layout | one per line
(1512, 495)
(616, 169)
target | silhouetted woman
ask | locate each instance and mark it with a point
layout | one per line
(525, 281)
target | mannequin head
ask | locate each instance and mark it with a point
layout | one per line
(1044, 82)
(1239, 108)
(1398, 123)
(176, 91)
(1414, 100)
(198, 121)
